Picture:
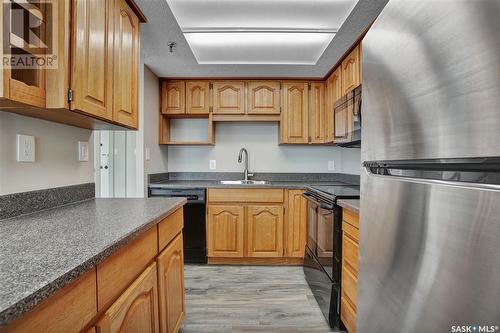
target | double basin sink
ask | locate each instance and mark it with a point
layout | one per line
(244, 182)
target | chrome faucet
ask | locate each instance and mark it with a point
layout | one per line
(240, 158)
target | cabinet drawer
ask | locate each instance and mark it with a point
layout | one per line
(169, 228)
(351, 217)
(349, 287)
(245, 195)
(347, 315)
(350, 251)
(69, 310)
(350, 231)
(119, 270)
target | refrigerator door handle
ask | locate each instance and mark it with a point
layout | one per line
(429, 181)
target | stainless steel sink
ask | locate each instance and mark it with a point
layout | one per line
(244, 182)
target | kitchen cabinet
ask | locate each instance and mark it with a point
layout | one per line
(197, 97)
(263, 97)
(265, 231)
(294, 126)
(316, 112)
(136, 310)
(171, 286)
(125, 61)
(173, 97)
(334, 92)
(225, 231)
(92, 69)
(350, 255)
(124, 293)
(248, 226)
(23, 85)
(296, 223)
(351, 70)
(228, 97)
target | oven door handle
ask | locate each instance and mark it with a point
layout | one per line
(328, 208)
(318, 203)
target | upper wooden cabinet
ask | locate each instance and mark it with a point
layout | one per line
(294, 125)
(265, 231)
(136, 310)
(174, 97)
(171, 286)
(126, 60)
(317, 112)
(197, 97)
(225, 231)
(92, 71)
(95, 83)
(333, 93)
(263, 97)
(228, 97)
(351, 70)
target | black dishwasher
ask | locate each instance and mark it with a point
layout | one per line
(194, 233)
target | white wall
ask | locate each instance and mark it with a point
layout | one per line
(56, 155)
(261, 141)
(151, 107)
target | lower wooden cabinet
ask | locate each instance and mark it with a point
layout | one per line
(265, 231)
(349, 283)
(256, 226)
(136, 310)
(171, 286)
(225, 231)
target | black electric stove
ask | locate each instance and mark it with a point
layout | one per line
(323, 257)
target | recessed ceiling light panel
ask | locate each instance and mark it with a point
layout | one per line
(260, 31)
(258, 47)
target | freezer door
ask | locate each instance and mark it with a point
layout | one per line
(431, 81)
(429, 255)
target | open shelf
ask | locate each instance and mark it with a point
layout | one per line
(185, 131)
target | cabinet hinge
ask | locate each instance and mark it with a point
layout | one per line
(210, 86)
(70, 95)
(211, 109)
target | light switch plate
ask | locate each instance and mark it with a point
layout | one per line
(25, 148)
(213, 164)
(83, 151)
(147, 153)
(331, 165)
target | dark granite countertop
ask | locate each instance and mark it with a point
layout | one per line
(190, 184)
(42, 252)
(351, 204)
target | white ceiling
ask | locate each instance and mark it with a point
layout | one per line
(266, 41)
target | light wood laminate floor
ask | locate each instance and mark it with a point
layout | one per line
(250, 299)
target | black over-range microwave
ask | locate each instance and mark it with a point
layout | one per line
(347, 119)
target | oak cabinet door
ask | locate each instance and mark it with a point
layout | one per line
(351, 70)
(92, 73)
(317, 112)
(334, 92)
(126, 62)
(294, 117)
(228, 97)
(171, 286)
(197, 97)
(136, 310)
(265, 231)
(173, 97)
(263, 97)
(225, 231)
(296, 230)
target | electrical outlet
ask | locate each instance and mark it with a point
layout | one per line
(83, 151)
(25, 148)
(331, 165)
(147, 152)
(213, 165)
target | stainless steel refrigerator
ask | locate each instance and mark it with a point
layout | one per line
(430, 188)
